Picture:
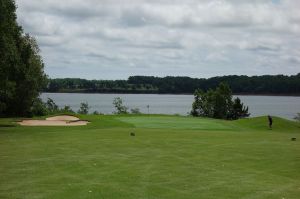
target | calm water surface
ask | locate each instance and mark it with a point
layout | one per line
(282, 106)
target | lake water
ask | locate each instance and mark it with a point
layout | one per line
(282, 106)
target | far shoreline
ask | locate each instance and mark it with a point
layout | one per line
(238, 94)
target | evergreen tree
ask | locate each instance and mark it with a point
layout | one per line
(238, 110)
(223, 101)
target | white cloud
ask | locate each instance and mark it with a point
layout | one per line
(112, 39)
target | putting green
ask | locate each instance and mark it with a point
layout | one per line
(166, 122)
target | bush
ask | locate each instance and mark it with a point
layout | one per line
(39, 108)
(297, 117)
(120, 108)
(97, 113)
(52, 108)
(135, 111)
(84, 108)
(67, 109)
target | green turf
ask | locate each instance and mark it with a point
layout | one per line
(171, 122)
(170, 157)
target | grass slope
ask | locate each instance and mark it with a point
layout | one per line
(170, 157)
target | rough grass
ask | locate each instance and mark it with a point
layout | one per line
(170, 157)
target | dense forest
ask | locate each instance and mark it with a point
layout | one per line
(265, 85)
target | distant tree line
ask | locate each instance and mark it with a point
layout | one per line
(97, 86)
(266, 84)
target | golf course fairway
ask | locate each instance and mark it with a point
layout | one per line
(170, 157)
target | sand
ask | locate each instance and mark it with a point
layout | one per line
(62, 120)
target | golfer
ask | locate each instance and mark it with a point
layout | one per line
(270, 121)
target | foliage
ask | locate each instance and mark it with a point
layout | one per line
(51, 106)
(84, 108)
(218, 103)
(135, 111)
(267, 84)
(297, 117)
(239, 110)
(97, 113)
(21, 67)
(120, 108)
(39, 108)
(66, 109)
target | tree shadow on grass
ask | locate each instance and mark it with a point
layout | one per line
(7, 125)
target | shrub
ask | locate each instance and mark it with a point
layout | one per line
(297, 117)
(135, 111)
(97, 113)
(39, 108)
(51, 106)
(67, 109)
(120, 108)
(84, 108)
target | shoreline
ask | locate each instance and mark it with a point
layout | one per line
(238, 94)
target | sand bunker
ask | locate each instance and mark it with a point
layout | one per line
(62, 120)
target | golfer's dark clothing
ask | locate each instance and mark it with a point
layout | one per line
(270, 121)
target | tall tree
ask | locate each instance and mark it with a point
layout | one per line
(223, 101)
(21, 67)
(218, 103)
(238, 109)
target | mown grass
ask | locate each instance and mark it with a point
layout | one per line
(170, 157)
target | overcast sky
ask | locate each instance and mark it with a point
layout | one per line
(109, 39)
